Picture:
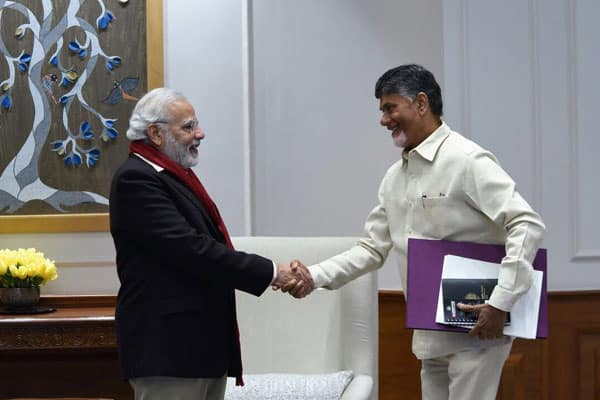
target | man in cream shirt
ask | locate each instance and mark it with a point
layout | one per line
(444, 187)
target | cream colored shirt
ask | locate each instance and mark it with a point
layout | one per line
(448, 188)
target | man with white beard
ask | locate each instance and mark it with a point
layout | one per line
(175, 315)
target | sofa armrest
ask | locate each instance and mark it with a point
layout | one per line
(359, 388)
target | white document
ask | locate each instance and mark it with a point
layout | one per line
(524, 314)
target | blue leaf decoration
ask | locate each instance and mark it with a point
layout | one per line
(109, 65)
(22, 67)
(85, 127)
(25, 58)
(82, 53)
(76, 160)
(112, 133)
(116, 60)
(57, 144)
(6, 102)
(109, 123)
(88, 135)
(54, 60)
(129, 83)
(109, 16)
(74, 47)
(68, 161)
(64, 99)
(103, 22)
(92, 156)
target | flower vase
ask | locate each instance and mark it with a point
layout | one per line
(20, 297)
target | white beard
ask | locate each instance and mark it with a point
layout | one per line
(401, 139)
(180, 153)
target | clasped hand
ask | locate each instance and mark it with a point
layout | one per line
(490, 320)
(294, 278)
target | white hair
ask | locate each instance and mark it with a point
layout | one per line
(150, 108)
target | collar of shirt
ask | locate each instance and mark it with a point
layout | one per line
(158, 168)
(429, 147)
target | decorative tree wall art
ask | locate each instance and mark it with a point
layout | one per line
(70, 73)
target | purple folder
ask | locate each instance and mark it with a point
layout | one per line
(425, 262)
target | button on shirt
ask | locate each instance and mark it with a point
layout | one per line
(447, 187)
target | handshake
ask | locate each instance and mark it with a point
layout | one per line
(294, 278)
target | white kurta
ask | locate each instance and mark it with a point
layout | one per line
(448, 188)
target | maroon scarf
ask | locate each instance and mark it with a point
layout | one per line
(189, 178)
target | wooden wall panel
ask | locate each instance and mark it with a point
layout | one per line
(589, 366)
(398, 367)
(574, 321)
(564, 366)
(513, 379)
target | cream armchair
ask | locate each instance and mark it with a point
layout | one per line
(313, 347)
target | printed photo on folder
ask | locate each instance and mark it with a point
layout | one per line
(466, 291)
(525, 311)
(423, 285)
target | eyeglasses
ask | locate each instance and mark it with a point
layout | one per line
(189, 126)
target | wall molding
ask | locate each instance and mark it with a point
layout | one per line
(247, 114)
(536, 120)
(85, 264)
(572, 100)
(465, 81)
(577, 253)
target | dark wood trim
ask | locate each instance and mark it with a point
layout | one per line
(390, 293)
(553, 293)
(563, 366)
(79, 301)
(576, 293)
(67, 353)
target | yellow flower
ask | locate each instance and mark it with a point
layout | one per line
(19, 273)
(8, 256)
(49, 272)
(25, 268)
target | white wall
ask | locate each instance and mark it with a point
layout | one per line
(317, 152)
(203, 59)
(85, 261)
(518, 77)
(522, 80)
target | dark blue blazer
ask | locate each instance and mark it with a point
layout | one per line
(175, 310)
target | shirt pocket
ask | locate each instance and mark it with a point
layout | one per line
(442, 216)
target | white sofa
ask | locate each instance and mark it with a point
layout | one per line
(307, 342)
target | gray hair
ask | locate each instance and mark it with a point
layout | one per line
(150, 108)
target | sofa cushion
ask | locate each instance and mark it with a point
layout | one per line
(289, 386)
